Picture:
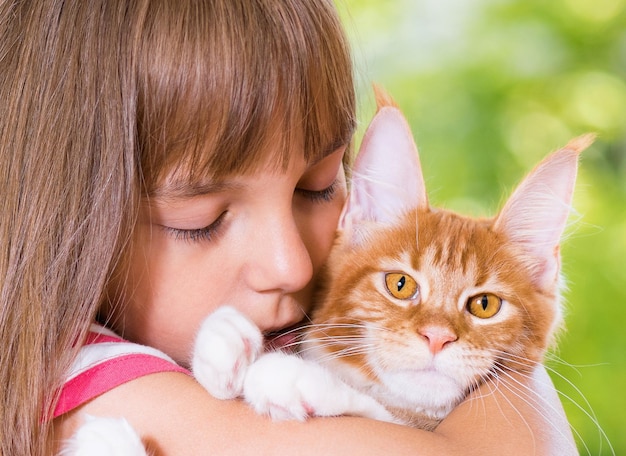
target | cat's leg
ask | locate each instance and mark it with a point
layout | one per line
(227, 343)
(104, 437)
(288, 387)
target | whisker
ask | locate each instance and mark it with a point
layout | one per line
(345, 352)
(334, 341)
(529, 397)
(586, 408)
(553, 358)
(591, 415)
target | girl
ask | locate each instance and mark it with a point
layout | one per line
(161, 158)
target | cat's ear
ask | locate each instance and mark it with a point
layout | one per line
(387, 177)
(535, 215)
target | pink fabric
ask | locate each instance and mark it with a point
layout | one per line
(97, 338)
(108, 362)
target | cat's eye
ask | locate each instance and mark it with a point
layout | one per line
(400, 285)
(484, 305)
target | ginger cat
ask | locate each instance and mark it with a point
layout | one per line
(417, 305)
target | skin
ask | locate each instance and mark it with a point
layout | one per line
(263, 259)
(166, 410)
(270, 234)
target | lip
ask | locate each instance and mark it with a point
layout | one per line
(286, 339)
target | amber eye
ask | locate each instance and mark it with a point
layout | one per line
(401, 286)
(484, 305)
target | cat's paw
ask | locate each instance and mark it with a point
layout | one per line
(288, 387)
(227, 343)
(104, 437)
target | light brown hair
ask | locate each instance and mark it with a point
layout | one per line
(100, 100)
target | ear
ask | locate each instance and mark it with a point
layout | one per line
(535, 215)
(387, 177)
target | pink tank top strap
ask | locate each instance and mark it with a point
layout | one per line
(106, 361)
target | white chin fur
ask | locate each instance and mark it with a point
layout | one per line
(426, 392)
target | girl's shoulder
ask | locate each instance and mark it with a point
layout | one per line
(106, 361)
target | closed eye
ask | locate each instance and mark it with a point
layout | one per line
(320, 196)
(207, 233)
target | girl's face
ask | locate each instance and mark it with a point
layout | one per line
(254, 242)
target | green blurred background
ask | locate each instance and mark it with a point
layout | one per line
(489, 88)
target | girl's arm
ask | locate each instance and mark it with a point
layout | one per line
(176, 416)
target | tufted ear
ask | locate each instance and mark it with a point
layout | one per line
(535, 215)
(387, 177)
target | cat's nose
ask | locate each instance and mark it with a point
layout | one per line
(437, 337)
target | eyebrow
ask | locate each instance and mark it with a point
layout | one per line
(179, 189)
(337, 144)
(183, 189)
(342, 141)
(334, 147)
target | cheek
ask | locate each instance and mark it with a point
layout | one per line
(165, 311)
(165, 297)
(318, 230)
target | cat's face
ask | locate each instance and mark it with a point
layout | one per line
(419, 305)
(428, 308)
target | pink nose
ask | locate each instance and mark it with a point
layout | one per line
(437, 337)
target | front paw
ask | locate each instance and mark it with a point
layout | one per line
(288, 387)
(100, 436)
(227, 343)
(274, 387)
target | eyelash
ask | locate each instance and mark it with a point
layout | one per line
(320, 196)
(207, 233)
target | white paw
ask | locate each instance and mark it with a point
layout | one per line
(288, 387)
(104, 437)
(227, 343)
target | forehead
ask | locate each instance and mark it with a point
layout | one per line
(221, 105)
(267, 145)
(180, 182)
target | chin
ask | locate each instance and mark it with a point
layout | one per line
(422, 391)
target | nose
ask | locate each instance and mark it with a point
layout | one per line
(279, 259)
(437, 337)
